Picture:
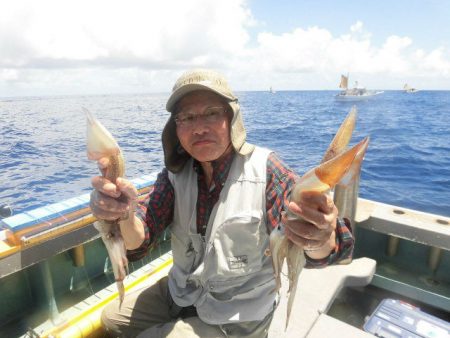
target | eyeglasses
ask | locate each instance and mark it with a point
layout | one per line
(211, 115)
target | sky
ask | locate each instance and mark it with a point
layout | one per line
(61, 47)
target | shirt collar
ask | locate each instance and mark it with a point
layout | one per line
(221, 167)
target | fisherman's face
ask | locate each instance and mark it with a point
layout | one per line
(203, 125)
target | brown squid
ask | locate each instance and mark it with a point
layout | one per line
(337, 165)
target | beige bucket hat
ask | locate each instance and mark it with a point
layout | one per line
(200, 79)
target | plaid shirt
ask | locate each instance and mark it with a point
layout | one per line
(157, 209)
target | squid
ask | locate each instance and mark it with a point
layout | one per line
(338, 166)
(100, 144)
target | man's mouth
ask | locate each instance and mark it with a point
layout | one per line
(202, 142)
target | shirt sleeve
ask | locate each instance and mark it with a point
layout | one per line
(156, 212)
(280, 181)
(343, 251)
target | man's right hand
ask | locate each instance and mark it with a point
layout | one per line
(111, 200)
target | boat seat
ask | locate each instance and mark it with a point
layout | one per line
(316, 291)
(326, 326)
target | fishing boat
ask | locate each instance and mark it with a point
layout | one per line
(355, 93)
(408, 89)
(56, 276)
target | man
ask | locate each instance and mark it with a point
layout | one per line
(221, 197)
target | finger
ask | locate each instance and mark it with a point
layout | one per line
(106, 207)
(294, 208)
(99, 212)
(320, 201)
(103, 164)
(312, 215)
(307, 244)
(127, 188)
(307, 231)
(105, 186)
(110, 204)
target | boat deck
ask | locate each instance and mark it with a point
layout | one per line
(317, 289)
(410, 251)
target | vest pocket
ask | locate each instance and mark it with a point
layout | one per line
(249, 301)
(184, 257)
(239, 244)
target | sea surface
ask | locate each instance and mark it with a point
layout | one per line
(43, 141)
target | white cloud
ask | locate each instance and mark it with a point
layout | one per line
(357, 27)
(314, 52)
(437, 61)
(117, 39)
(54, 46)
(9, 74)
(70, 33)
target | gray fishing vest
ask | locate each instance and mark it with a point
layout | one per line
(225, 274)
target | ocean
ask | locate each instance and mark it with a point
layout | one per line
(43, 141)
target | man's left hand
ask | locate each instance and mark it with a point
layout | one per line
(315, 230)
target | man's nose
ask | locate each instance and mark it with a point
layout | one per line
(200, 126)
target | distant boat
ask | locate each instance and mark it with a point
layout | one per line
(355, 93)
(409, 89)
(271, 90)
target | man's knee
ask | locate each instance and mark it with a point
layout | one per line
(109, 319)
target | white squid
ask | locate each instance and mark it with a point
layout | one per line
(100, 143)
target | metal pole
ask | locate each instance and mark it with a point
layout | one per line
(53, 312)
